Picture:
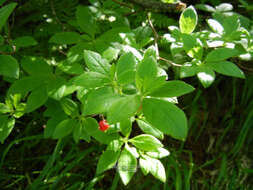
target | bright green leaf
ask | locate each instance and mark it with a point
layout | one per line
(146, 142)
(188, 20)
(166, 117)
(36, 66)
(6, 126)
(69, 107)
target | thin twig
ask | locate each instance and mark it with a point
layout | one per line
(170, 62)
(123, 4)
(158, 6)
(245, 68)
(155, 35)
(55, 15)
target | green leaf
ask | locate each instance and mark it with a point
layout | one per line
(25, 41)
(86, 20)
(159, 153)
(9, 66)
(126, 166)
(65, 38)
(111, 54)
(6, 126)
(148, 129)
(172, 89)
(91, 80)
(36, 99)
(126, 68)
(25, 85)
(80, 133)
(166, 117)
(4, 108)
(109, 158)
(71, 68)
(36, 66)
(99, 100)
(221, 54)
(19, 110)
(123, 108)
(92, 128)
(126, 127)
(147, 68)
(146, 142)
(188, 20)
(231, 24)
(192, 46)
(206, 76)
(56, 87)
(64, 128)
(96, 63)
(227, 68)
(69, 107)
(52, 123)
(5, 12)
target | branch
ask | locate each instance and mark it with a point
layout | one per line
(155, 35)
(158, 6)
(123, 4)
(170, 62)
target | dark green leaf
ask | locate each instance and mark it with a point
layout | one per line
(36, 66)
(36, 99)
(86, 20)
(25, 41)
(5, 12)
(65, 38)
(9, 66)
(64, 128)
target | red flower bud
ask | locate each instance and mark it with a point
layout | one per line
(103, 125)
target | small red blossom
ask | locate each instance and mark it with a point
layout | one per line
(103, 125)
